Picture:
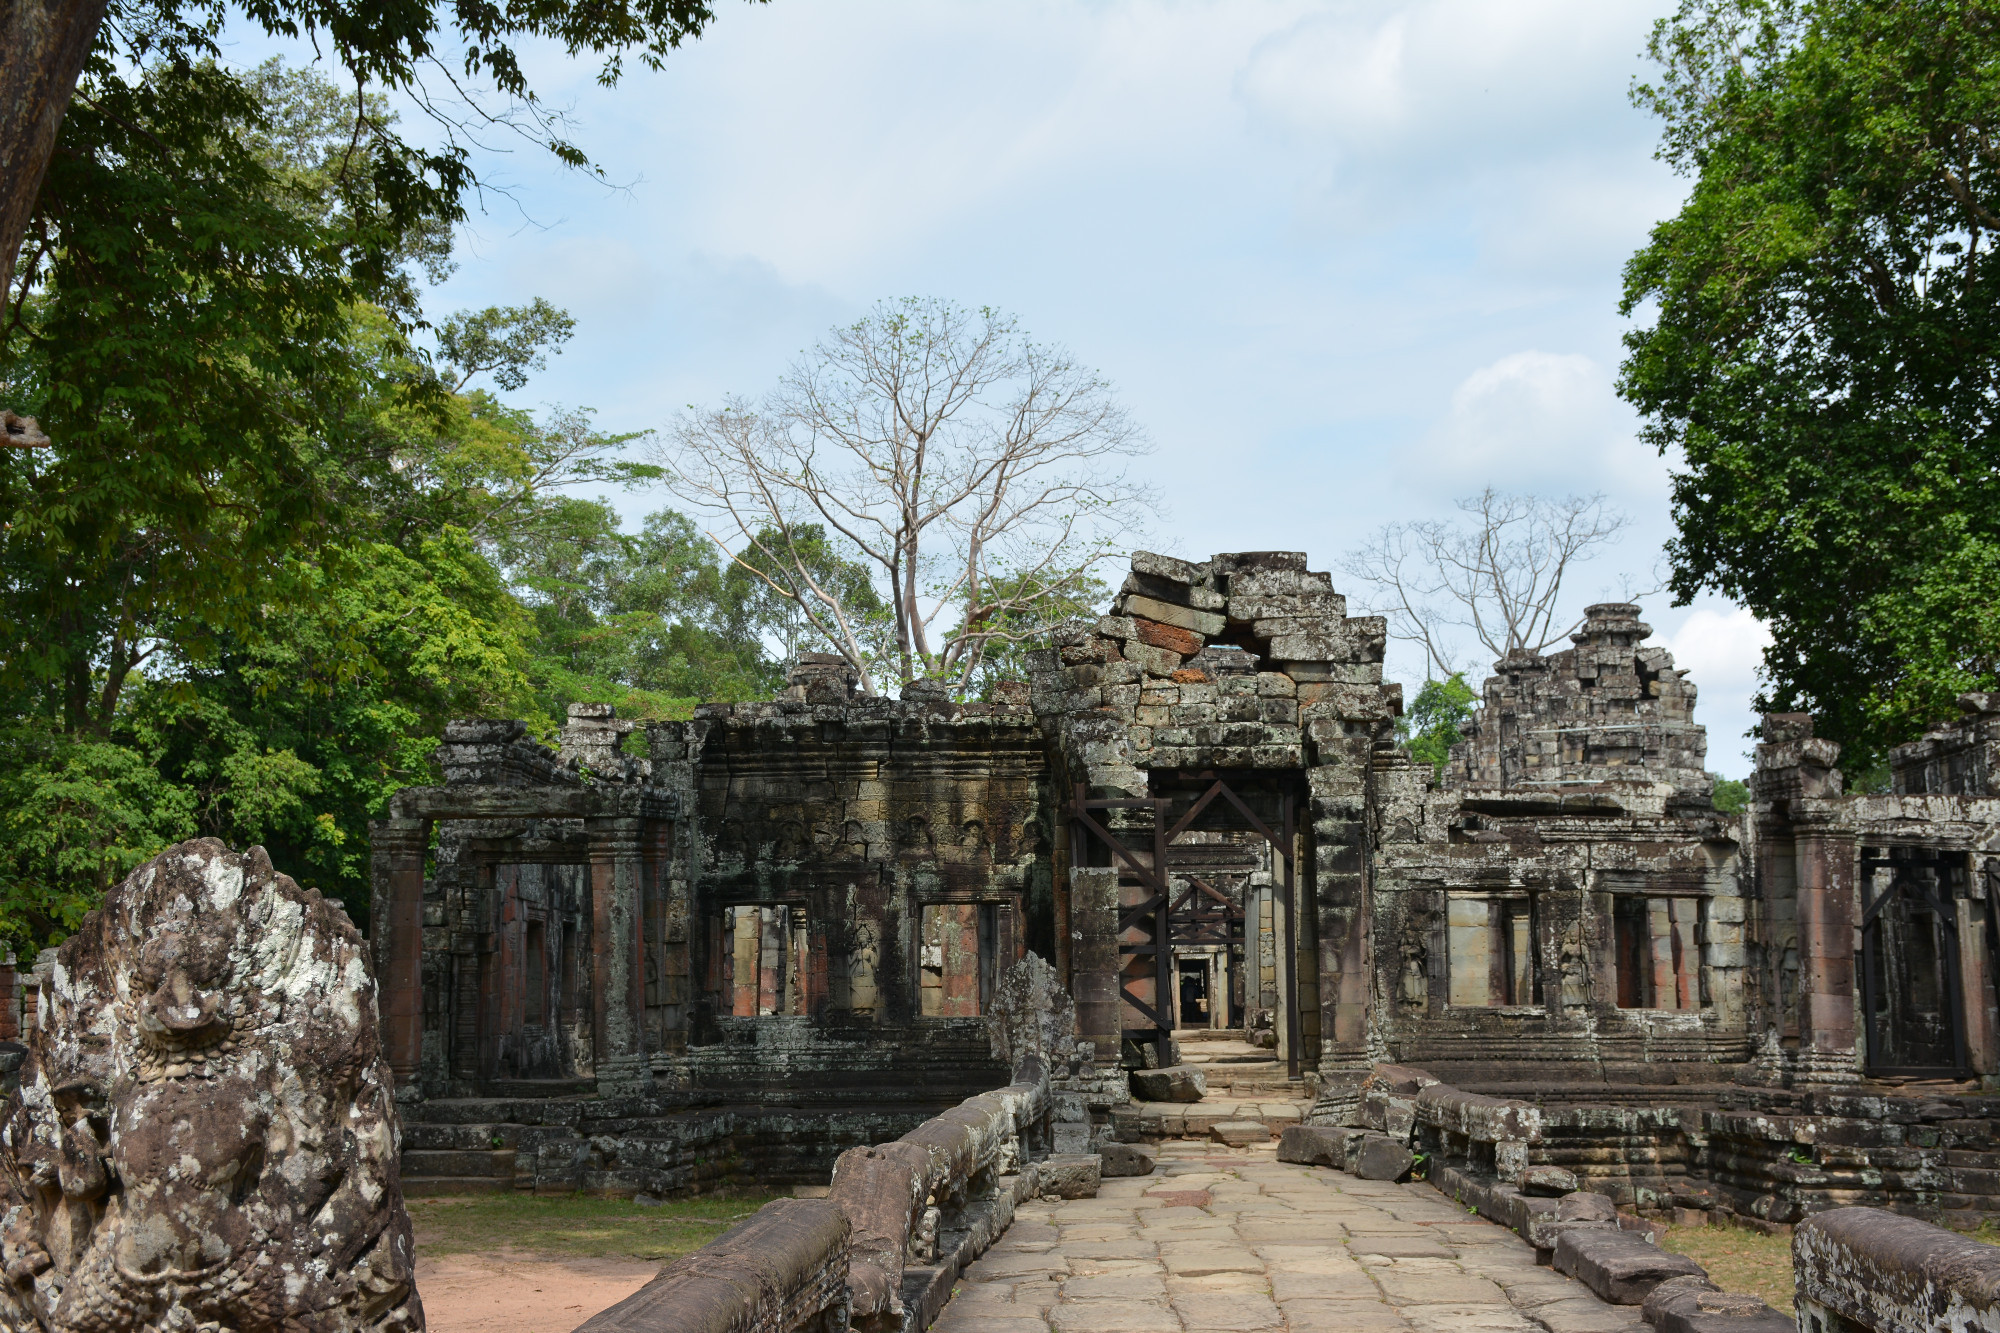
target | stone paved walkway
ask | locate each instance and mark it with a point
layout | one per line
(1235, 1241)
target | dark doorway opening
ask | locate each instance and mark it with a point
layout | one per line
(1194, 997)
(1910, 984)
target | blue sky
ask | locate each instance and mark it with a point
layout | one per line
(1344, 261)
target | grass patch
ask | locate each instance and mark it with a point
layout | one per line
(576, 1226)
(1740, 1260)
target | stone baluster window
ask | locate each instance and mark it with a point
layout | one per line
(958, 957)
(1492, 950)
(1656, 958)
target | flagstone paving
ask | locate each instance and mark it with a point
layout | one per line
(1223, 1240)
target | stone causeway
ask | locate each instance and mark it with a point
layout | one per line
(1231, 1239)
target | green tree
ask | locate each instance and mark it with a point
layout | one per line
(185, 324)
(76, 813)
(777, 588)
(406, 49)
(651, 622)
(275, 544)
(1436, 720)
(1024, 626)
(1729, 796)
(1823, 359)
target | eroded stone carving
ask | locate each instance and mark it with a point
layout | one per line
(203, 1139)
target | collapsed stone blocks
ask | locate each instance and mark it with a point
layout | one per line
(1071, 1175)
(1548, 1181)
(1128, 1159)
(1313, 1145)
(1379, 1157)
(1692, 1304)
(1240, 1133)
(1178, 1083)
(1622, 1267)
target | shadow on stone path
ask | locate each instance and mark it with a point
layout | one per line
(1234, 1240)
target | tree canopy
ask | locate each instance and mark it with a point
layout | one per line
(276, 541)
(1820, 362)
(460, 62)
(1436, 720)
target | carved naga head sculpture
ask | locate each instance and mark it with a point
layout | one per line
(204, 1138)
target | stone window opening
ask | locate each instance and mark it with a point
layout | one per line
(1911, 995)
(1656, 951)
(958, 959)
(764, 961)
(1491, 951)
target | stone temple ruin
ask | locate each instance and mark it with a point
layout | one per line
(747, 942)
(926, 949)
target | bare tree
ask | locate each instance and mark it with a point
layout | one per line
(1497, 573)
(975, 472)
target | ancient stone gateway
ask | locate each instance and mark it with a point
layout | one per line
(203, 1137)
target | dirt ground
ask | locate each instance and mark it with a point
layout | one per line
(521, 1293)
(518, 1263)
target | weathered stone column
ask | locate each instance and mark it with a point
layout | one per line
(396, 920)
(1982, 1022)
(1826, 860)
(618, 954)
(1093, 953)
(1337, 802)
(1799, 860)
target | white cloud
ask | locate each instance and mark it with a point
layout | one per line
(1543, 422)
(1720, 647)
(1445, 78)
(1345, 259)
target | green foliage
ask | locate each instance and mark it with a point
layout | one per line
(778, 561)
(186, 344)
(408, 193)
(1730, 796)
(1436, 720)
(1023, 627)
(272, 549)
(1825, 351)
(653, 622)
(78, 813)
(504, 342)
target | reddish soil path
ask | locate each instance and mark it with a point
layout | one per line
(509, 1293)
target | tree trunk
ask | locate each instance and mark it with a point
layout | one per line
(43, 44)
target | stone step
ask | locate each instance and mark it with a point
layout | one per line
(422, 1163)
(432, 1187)
(1194, 1120)
(421, 1137)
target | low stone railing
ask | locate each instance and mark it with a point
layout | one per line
(901, 1220)
(930, 1203)
(882, 1250)
(1867, 1269)
(786, 1268)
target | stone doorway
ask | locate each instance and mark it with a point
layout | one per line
(1911, 999)
(1191, 958)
